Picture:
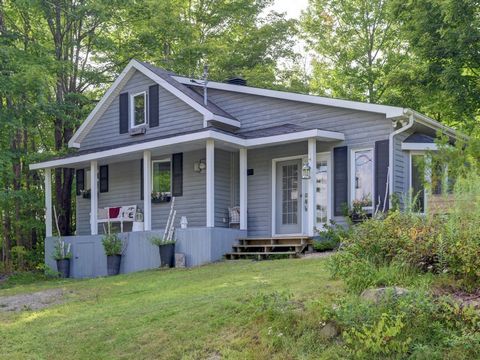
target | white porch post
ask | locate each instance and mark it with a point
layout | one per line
(243, 189)
(48, 202)
(312, 160)
(93, 198)
(147, 190)
(210, 183)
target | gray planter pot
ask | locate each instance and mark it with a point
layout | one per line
(113, 264)
(167, 255)
(63, 267)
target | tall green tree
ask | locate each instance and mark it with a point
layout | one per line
(232, 37)
(357, 46)
(444, 36)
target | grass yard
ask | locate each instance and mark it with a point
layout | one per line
(203, 313)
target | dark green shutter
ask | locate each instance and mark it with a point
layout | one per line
(103, 172)
(123, 101)
(381, 174)
(153, 111)
(340, 179)
(80, 181)
(177, 174)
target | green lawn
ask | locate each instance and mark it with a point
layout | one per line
(201, 313)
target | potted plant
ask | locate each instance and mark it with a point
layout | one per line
(358, 212)
(85, 193)
(62, 254)
(113, 249)
(160, 197)
(167, 251)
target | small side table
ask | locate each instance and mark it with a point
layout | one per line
(137, 226)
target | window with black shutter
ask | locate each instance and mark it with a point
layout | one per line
(80, 181)
(153, 110)
(123, 122)
(103, 174)
(177, 174)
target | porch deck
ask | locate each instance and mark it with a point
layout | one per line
(264, 247)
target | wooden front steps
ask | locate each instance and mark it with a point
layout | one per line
(265, 247)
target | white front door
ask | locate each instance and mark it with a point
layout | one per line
(321, 190)
(288, 205)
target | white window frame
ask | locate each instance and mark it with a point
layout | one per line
(352, 176)
(163, 161)
(132, 109)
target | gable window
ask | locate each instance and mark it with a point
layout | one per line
(138, 116)
(362, 178)
(161, 177)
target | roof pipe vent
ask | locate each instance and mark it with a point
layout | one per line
(236, 80)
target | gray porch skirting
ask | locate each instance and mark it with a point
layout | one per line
(200, 246)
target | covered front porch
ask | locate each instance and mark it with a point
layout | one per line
(218, 170)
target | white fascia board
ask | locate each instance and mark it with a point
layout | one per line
(433, 124)
(301, 135)
(104, 102)
(419, 146)
(389, 111)
(203, 135)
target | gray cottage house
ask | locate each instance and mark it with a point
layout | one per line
(241, 163)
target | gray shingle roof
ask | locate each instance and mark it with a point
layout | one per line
(272, 131)
(167, 76)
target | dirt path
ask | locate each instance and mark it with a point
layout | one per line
(32, 301)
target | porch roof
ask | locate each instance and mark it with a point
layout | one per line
(287, 133)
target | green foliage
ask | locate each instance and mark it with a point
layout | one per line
(159, 241)
(407, 326)
(330, 236)
(112, 244)
(62, 250)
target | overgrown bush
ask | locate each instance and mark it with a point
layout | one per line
(330, 237)
(415, 325)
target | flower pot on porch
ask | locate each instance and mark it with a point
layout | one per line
(113, 264)
(167, 255)
(63, 267)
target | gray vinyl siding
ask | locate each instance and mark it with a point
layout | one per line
(175, 117)
(124, 189)
(223, 186)
(360, 128)
(401, 165)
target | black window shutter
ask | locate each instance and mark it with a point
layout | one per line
(381, 174)
(123, 113)
(153, 112)
(103, 170)
(141, 179)
(340, 179)
(80, 181)
(177, 174)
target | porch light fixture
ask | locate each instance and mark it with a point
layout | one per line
(200, 166)
(306, 171)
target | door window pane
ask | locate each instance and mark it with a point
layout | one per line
(289, 194)
(363, 177)
(321, 192)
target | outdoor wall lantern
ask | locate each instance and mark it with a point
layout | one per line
(200, 166)
(306, 171)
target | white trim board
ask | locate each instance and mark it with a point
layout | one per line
(389, 111)
(419, 146)
(203, 135)
(115, 89)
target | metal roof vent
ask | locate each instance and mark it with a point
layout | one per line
(237, 80)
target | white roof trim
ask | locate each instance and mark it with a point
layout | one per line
(321, 135)
(419, 146)
(389, 111)
(125, 75)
